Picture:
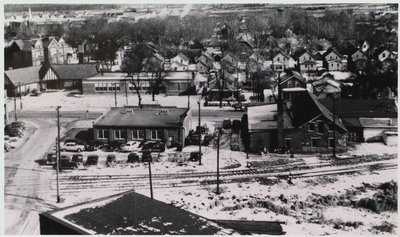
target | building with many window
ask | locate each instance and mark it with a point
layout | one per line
(151, 122)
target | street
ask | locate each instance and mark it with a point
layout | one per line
(25, 180)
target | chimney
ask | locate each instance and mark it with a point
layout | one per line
(280, 114)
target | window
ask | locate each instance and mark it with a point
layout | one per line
(331, 64)
(330, 127)
(330, 57)
(314, 142)
(176, 69)
(337, 65)
(288, 142)
(138, 134)
(311, 127)
(119, 134)
(331, 142)
(290, 84)
(321, 128)
(156, 135)
(278, 59)
(383, 55)
(102, 134)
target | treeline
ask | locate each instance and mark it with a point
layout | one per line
(56, 7)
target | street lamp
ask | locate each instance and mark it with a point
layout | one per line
(198, 102)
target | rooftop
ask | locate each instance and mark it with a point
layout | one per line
(148, 116)
(131, 213)
(23, 76)
(74, 71)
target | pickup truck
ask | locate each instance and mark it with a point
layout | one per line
(72, 146)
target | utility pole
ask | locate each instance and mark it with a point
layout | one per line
(219, 134)
(188, 94)
(151, 183)
(15, 105)
(334, 126)
(20, 95)
(58, 151)
(57, 171)
(126, 92)
(115, 94)
(198, 102)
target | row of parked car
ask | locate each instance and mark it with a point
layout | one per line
(73, 161)
(12, 132)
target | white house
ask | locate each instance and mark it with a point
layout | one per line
(282, 59)
(179, 63)
(386, 54)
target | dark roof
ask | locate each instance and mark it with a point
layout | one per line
(293, 74)
(24, 45)
(215, 43)
(306, 108)
(298, 52)
(24, 76)
(184, 57)
(131, 213)
(352, 108)
(331, 49)
(74, 71)
(133, 116)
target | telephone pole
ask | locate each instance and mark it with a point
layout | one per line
(15, 105)
(58, 152)
(219, 134)
(20, 95)
(115, 94)
(198, 102)
(334, 126)
(151, 183)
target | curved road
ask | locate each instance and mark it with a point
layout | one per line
(25, 180)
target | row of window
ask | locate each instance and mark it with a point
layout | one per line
(119, 134)
(104, 87)
(314, 142)
(320, 127)
(291, 84)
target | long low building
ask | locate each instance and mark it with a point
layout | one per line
(151, 122)
(22, 80)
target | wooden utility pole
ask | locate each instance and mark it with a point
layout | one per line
(58, 151)
(126, 92)
(198, 102)
(15, 105)
(219, 134)
(334, 126)
(151, 183)
(20, 96)
(115, 94)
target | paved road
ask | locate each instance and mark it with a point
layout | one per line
(25, 180)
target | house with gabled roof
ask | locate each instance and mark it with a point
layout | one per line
(292, 84)
(307, 62)
(282, 61)
(214, 46)
(22, 80)
(179, 63)
(17, 54)
(384, 54)
(307, 127)
(68, 76)
(326, 86)
(333, 60)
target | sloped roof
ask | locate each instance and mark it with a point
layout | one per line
(23, 76)
(130, 213)
(306, 108)
(183, 56)
(331, 49)
(74, 71)
(215, 43)
(24, 45)
(290, 74)
(145, 117)
(353, 108)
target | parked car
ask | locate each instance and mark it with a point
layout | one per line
(110, 159)
(92, 160)
(153, 146)
(133, 157)
(130, 146)
(51, 158)
(72, 146)
(35, 92)
(146, 157)
(66, 164)
(78, 158)
(194, 156)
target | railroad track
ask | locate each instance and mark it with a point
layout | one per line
(77, 183)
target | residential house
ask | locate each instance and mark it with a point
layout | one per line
(37, 52)
(22, 80)
(222, 83)
(366, 120)
(282, 61)
(302, 126)
(179, 63)
(17, 54)
(255, 62)
(244, 41)
(200, 79)
(230, 62)
(307, 62)
(293, 84)
(66, 52)
(326, 86)
(68, 76)
(360, 59)
(214, 46)
(384, 53)
(204, 62)
(51, 51)
(149, 122)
